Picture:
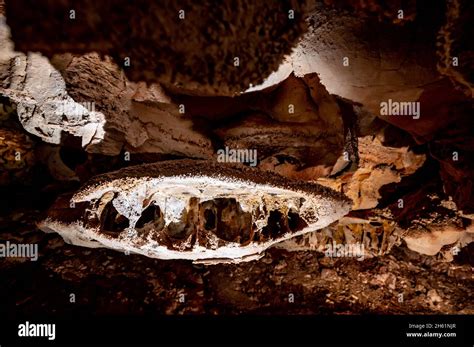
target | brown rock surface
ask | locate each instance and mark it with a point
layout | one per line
(407, 244)
(114, 115)
(186, 44)
(17, 156)
(111, 283)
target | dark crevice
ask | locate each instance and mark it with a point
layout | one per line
(295, 222)
(149, 214)
(210, 220)
(277, 225)
(112, 221)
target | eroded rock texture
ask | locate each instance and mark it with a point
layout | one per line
(379, 165)
(347, 207)
(193, 210)
(43, 105)
(369, 59)
(220, 48)
(109, 118)
(139, 119)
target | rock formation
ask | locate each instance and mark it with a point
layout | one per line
(328, 144)
(197, 46)
(193, 210)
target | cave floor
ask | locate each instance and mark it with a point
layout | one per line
(69, 281)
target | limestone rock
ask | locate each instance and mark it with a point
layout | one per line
(297, 128)
(112, 116)
(213, 48)
(369, 237)
(379, 165)
(198, 210)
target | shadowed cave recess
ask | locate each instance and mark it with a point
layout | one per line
(234, 150)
